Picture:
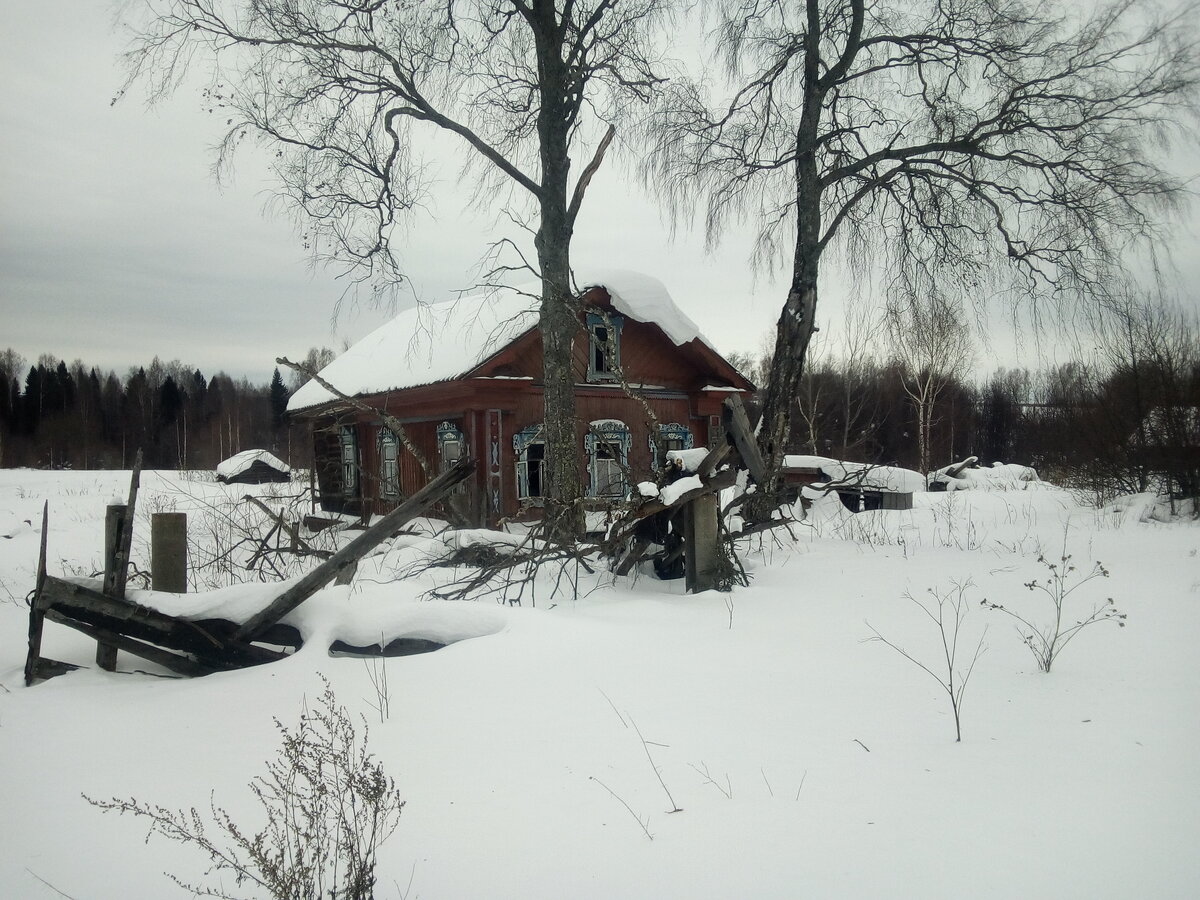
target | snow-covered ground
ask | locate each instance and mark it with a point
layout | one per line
(806, 760)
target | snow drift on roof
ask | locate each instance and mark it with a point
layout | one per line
(877, 478)
(465, 332)
(240, 462)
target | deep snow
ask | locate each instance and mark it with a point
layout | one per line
(839, 754)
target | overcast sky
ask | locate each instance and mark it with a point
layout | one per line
(116, 243)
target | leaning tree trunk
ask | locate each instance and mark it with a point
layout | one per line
(795, 328)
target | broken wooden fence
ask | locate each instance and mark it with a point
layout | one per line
(197, 647)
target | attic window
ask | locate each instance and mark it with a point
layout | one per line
(604, 346)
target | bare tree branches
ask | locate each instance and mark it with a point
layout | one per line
(955, 146)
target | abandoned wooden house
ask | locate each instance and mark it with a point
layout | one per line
(465, 378)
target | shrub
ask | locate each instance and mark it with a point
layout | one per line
(329, 805)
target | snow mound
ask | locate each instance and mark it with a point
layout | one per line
(892, 479)
(1000, 477)
(240, 462)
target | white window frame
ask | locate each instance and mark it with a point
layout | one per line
(522, 441)
(613, 436)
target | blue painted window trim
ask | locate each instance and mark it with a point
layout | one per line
(613, 434)
(389, 477)
(672, 431)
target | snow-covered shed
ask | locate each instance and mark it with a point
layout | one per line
(860, 486)
(253, 467)
(465, 377)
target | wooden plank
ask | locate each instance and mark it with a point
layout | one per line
(701, 535)
(716, 456)
(116, 586)
(33, 658)
(173, 661)
(355, 550)
(737, 425)
(51, 668)
(212, 642)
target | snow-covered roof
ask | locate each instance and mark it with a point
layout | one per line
(441, 341)
(240, 462)
(876, 478)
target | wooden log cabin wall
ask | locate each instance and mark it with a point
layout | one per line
(640, 390)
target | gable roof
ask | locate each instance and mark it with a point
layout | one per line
(438, 342)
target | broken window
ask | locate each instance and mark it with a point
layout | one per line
(530, 447)
(349, 462)
(604, 346)
(607, 444)
(664, 439)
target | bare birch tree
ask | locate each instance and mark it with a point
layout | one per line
(339, 88)
(964, 143)
(931, 339)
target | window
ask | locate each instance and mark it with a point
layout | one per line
(604, 346)
(451, 444)
(530, 447)
(666, 438)
(389, 465)
(349, 462)
(607, 444)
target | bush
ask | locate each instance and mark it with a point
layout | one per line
(329, 806)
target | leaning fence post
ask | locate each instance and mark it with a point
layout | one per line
(114, 523)
(168, 552)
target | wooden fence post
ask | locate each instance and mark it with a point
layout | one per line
(700, 536)
(114, 524)
(168, 552)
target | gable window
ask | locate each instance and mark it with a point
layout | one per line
(604, 346)
(607, 444)
(666, 438)
(349, 462)
(530, 447)
(451, 445)
(389, 465)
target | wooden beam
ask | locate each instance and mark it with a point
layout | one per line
(214, 642)
(355, 550)
(737, 425)
(33, 658)
(173, 661)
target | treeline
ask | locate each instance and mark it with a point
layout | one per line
(1125, 418)
(60, 415)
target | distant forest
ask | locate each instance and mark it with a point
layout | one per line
(1128, 419)
(59, 415)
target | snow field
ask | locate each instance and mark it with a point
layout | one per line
(839, 755)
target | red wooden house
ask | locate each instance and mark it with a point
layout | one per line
(466, 378)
